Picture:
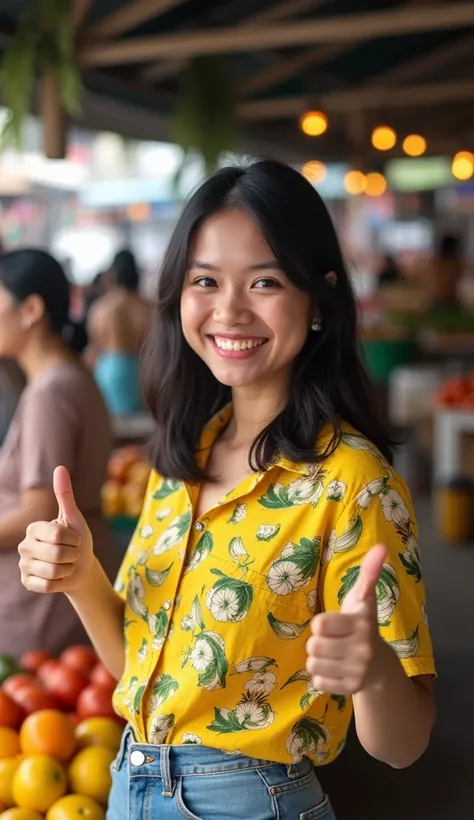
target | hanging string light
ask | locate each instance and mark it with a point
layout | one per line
(355, 183)
(463, 165)
(314, 123)
(383, 138)
(376, 184)
(314, 171)
(414, 145)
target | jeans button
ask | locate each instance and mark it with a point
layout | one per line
(137, 758)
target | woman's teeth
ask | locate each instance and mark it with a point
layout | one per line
(242, 344)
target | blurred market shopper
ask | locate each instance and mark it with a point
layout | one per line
(389, 272)
(273, 583)
(117, 327)
(61, 418)
(12, 382)
(446, 271)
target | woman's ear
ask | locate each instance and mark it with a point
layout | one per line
(32, 310)
(331, 278)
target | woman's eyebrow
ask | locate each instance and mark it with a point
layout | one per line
(272, 264)
(198, 263)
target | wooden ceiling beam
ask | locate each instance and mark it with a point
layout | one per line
(80, 10)
(426, 63)
(127, 17)
(284, 10)
(338, 28)
(280, 11)
(382, 97)
(285, 69)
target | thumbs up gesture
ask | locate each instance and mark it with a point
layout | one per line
(56, 556)
(343, 649)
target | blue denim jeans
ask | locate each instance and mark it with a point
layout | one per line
(199, 783)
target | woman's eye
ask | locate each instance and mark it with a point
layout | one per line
(205, 282)
(266, 283)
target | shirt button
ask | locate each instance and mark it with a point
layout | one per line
(137, 758)
(199, 526)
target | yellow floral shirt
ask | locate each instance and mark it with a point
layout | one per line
(218, 609)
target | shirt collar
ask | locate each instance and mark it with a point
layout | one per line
(219, 422)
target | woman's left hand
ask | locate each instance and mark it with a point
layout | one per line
(344, 649)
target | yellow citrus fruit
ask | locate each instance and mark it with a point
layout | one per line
(75, 807)
(38, 782)
(9, 742)
(8, 767)
(99, 731)
(21, 814)
(89, 773)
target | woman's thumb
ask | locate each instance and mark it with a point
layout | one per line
(68, 511)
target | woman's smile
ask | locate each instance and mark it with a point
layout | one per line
(236, 347)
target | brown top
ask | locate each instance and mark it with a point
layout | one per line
(61, 419)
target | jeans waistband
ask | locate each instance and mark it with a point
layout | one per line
(169, 761)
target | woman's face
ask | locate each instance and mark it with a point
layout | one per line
(12, 333)
(239, 312)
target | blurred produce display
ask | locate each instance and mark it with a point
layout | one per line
(124, 491)
(58, 736)
(457, 392)
(441, 319)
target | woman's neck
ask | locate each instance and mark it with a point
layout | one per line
(254, 407)
(41, 353)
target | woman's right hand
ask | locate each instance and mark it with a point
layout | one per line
(57, 556)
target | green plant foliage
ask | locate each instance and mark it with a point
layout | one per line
(204, 119)
(44, 41)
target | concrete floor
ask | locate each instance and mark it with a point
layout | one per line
(440, 786)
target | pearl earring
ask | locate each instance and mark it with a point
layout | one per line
(315, 325)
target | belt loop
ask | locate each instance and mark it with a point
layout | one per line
(165, 771)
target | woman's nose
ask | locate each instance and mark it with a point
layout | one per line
(231, 308)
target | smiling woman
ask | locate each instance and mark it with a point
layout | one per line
(275, 517)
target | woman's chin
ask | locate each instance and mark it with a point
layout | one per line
(230, 378)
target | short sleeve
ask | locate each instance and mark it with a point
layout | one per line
(382, 512)
(49, 435)
(144, 526)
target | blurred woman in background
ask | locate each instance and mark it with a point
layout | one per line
(61, 418)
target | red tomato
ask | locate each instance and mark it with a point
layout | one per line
(101, 677)
(79, 657)
(32, 699)
(11, 714)
(17, 681)
(47, 669)
(95, 701)
(33, 660)
(66, 685)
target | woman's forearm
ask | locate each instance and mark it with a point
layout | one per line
(394, 715)
(101, 611)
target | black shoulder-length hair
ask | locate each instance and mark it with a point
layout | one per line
(329, 384)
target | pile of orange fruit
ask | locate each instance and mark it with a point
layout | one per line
(58, 738)
(457, 392)
(124, 491)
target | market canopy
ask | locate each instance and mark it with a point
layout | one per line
(407, 64)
